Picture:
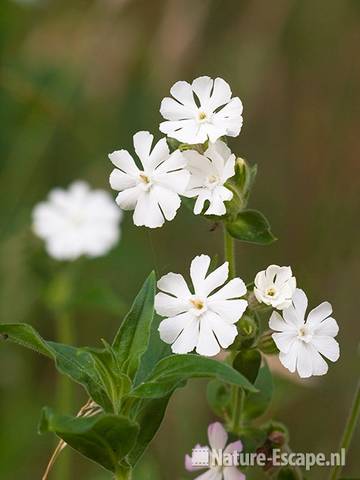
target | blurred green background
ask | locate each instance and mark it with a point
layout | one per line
(77, 79)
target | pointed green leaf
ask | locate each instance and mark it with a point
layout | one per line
(104, 439)
(248, 362)
(173, 371)
(251, 226)
(133, 335)
(77, 363)
(26, 336)
(257, 403)
(149, 419)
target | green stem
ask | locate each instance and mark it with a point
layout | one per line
(238, 405)
(64, 400)
(123, 474)
(229, 252)
(349, 430)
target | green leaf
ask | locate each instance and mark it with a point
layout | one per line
(156, 350)
(257, 403)
(105, 439)
(248, 362)
(252, 227)
(173, 371)
(218, 396)
(149, 419)
(132, 338)
(76, 363)
(26, 336)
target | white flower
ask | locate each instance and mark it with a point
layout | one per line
(209, 172)
(275, 286)
(200, 111)
(302, 343)
(152, 191)
(78, 221)
(200, 320)
(218, 438)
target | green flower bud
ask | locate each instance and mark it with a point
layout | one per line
(247, 332)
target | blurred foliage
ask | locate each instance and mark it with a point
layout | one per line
(77, 79)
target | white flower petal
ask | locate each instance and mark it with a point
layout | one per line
(229, 310)
(159, 154)
(175, 284)
(168, 306)
(142, 145)
(221, 94)
(175, 161)
(234, 447)
(183, 92)
(147, 211)
(207, 344)
(173, 110)
(188, 338)
(289, 359)
(291, 316)
(224, 332)
(217, 436)
(214, 280)
(277, 323)
(234, 289)
(318, 314)
(328, 328)
(320, 367)
(327, 346)
(120, 180)
(284, 340)
(198, 270)
(170, 328)
(128, 198)
(202, 87)
(168, 201)
(124, 161)
(300, 302)
(176, 181)
(305, 360)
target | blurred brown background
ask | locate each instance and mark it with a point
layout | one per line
(77, 79)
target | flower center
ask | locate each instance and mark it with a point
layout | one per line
(144, 178)
(304, 334)
(145, 181)
(271, 292)
(212, 181)
(199, 305)
(202, 116)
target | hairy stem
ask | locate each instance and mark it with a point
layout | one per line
(64, 400)
(352, 421)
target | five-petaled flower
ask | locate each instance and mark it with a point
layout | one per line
(153, 190)
(275, 286)
(78, 221)
(302, 343)
(200, 319)
(209, 172)
(218, 438)
(201, 111)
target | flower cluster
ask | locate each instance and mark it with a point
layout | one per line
(201, 112)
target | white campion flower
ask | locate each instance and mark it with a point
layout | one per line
(78, 221)
(200, 319)
(201, 111)
(275, 286)
(153, 190)
(209, 172)
(303, 343)
(218, 438)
